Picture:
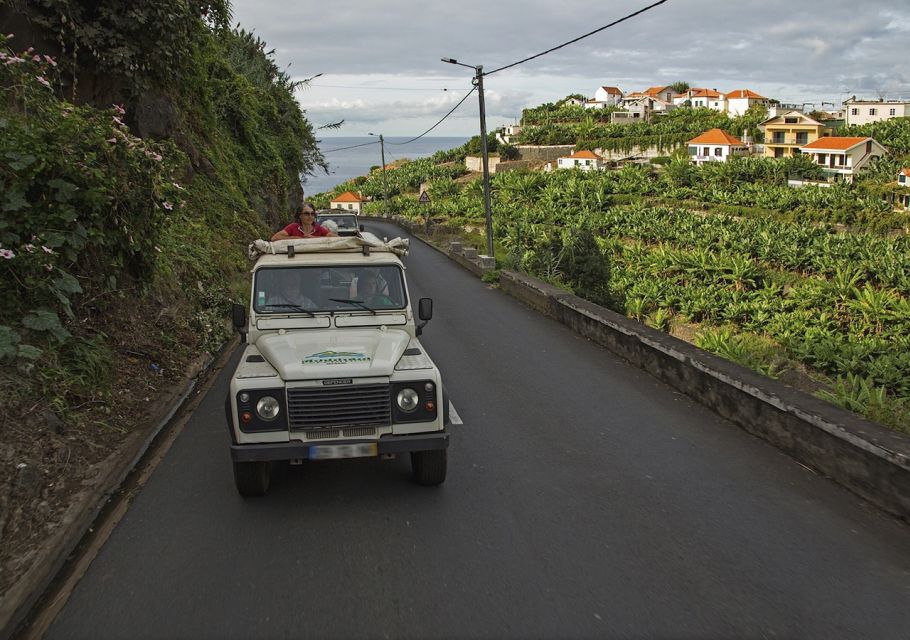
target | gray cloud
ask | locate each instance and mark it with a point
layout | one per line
(801, 50)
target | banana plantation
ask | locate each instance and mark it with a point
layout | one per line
(811, 283)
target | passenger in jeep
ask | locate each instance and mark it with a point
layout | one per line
(305, 225)
(287, 292)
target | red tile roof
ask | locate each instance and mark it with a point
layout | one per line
(835, 143)
(906, 171)
(348, 196)
(706, 93)
(716, 136)
(587, 155)
(744, 93)
(613, 91)
(653, 91)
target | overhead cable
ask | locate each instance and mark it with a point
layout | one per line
(439, 122)
(590, 33)
(353, 146)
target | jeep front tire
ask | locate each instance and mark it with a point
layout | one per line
(429, 467)
(252, 478)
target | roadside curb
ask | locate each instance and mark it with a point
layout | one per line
(79, 517)
(868, 459)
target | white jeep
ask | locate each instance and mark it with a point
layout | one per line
(333, 367)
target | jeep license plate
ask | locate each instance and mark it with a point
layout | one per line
(331, 451)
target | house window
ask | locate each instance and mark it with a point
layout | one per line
(791, 120)
(902, 179)
(693, 151)
(868, 146)
(822, 157)
(706, 151)
(854, 111)
(802, 138)
(778, 153)
(778, 137)
(718, 151)
(797, 151)
(841, 160)
(892, 112)
(872, 112)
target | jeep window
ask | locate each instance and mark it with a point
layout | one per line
(343, 222)
(313, 289)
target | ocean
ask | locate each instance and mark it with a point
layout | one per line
(350, 163)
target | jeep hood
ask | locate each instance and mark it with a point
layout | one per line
(314, 354)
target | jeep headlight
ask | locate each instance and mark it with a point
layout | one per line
(268, 408)
(407, 399)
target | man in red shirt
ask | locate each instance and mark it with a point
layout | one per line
(305, 225)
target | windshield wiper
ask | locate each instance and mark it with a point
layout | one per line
(356, 303)
(293, 307)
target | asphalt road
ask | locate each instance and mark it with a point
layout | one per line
(584, 499)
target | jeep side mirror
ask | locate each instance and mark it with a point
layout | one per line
(424, 312)
(238, 316)
(361, 227)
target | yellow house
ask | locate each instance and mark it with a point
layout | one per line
(785, 133)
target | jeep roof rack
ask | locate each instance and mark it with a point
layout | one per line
(365, 243)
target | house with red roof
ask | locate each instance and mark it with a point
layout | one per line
(843, 157)
(349, 201)
(739, 101)
(584, 160)
(608, 95)
(664, 94)
(709, 99)
(715, 145)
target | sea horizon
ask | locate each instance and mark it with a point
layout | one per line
(347, 159)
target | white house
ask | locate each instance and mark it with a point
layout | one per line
(715, 145)
(664, 94)
(608, 95)
(865, 111)
(739, 101)
(843, 157)
(710, 99)
(903, 180)
(584, 160)
(349, 201)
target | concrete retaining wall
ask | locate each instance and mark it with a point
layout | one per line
(867, 458)
(547, 153)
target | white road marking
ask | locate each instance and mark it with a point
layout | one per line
(454, 418)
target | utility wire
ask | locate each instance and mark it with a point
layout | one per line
(590, 33)
(354, 146)
(440, 120)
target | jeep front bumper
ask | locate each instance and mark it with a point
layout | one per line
(271, 451)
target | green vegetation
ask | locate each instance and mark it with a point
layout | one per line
(122, 252)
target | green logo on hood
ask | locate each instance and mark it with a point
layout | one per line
(335, 357)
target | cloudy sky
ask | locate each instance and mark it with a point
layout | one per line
(381, 68)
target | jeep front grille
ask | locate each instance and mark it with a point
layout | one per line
(344, 406)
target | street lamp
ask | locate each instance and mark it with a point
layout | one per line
(385, 179)
(478, 82)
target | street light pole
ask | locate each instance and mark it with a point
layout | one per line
(488, 211)
(385, 178)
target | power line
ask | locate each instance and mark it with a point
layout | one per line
(369, 88)
(440, 120)
(353, 146)
(590, 33)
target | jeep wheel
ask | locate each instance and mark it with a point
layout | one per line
(252, 478)
(429, 467)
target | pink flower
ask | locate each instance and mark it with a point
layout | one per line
(156, 157)
(9, 36)
(119, 109)
(36, 58)
(44, 82)
(48, 267)
(7, 254)
(50, 61)
(30, 248)
(167, 205)
(112, 140)
(48, 250)
(178, 186)
(118, 121)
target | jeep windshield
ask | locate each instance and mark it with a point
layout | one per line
(313, 289)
